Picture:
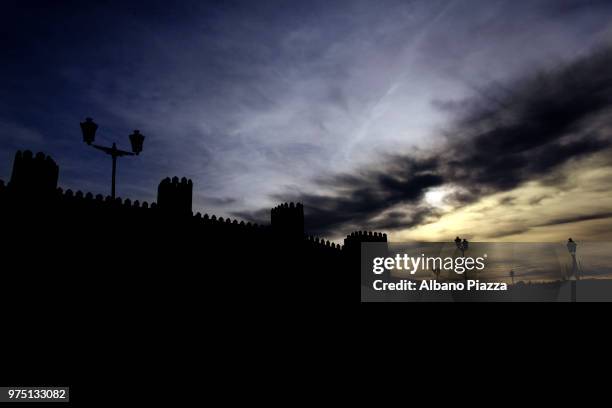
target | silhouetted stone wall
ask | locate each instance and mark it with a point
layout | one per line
(148, 249)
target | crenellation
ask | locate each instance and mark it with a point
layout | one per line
(175, 196)
(286, 228)
(287, 220)
(34, 175)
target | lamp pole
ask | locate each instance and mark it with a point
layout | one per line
(89, 128)
(571, 248)
(114, 175)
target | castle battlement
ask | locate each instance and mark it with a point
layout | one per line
(175, 196)
(316, 242)
(33, 175)
(287, 219)
(366, 236)
(234, 224)
(100, 201)
(354, 240)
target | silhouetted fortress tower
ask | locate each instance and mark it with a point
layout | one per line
(33, 175)
(358, 258)
(288, 221)
(355, 239)
(174, 196)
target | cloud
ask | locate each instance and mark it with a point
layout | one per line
(18, 135)
(578, 218)
(217, 201)
(501, 233)
(536, 124)
(507, 200)
(538, 199)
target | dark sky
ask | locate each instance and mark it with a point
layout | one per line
(414, 117)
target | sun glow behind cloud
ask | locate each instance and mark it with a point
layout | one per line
(533, 212)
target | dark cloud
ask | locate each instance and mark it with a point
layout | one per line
(519, 132)
(362, 197)
(577, 218)
(415, 216)
(538, 199)
(507, 200)
(261, 216)
(573, 6)
(506, 232)
(217, 201)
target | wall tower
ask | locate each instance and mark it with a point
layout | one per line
(34, 175)
(288, 221)
(175, 196)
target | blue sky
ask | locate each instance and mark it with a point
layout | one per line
(260, 101)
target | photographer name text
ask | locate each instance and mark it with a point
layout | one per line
(434, 285)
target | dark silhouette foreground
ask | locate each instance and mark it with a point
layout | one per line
(136, 289)
(123, 255)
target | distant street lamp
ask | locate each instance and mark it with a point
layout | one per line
(462, 245)
(89, 128)
(571, 248)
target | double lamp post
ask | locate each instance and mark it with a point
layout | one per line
(89, 128)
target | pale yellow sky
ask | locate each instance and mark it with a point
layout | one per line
(531, 212)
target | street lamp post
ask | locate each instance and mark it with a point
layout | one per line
(462, 246)
(571, 248)
(89, 128)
